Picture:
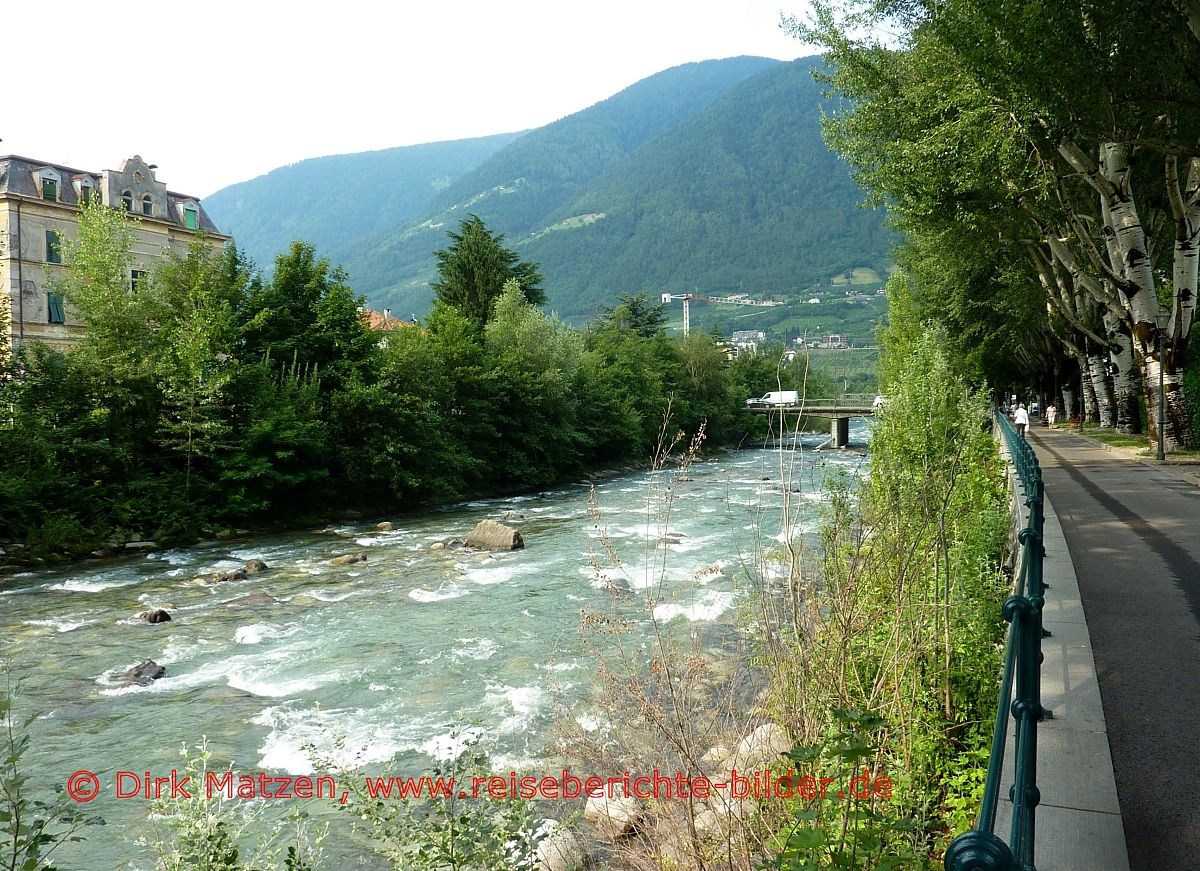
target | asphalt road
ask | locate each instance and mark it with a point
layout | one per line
(1133, 531)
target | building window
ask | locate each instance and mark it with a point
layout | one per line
(127, 199)
(53, 247)
(85, 194)
(57, 312)
(147, 205)
(136, 277)
(50, 189)
(191, 218)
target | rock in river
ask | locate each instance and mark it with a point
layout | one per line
(155, 615)
(145, 672)
(490, 535)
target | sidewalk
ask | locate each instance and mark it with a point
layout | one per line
(1123, 564)
(1078, 823)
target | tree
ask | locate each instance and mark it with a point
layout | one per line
(637, 314)
(473, 270)
(308, 316)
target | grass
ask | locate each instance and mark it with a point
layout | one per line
(1142, 443)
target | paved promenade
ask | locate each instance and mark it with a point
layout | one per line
(1131, 533)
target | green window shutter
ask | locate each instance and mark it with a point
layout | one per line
(58, 312)
(53, 247)
(191, 218)
(49, 189)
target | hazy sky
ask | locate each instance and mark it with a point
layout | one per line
(217, 92)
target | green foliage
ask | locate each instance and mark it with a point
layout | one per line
(858, 827)
(210, 396)
(909, 602)
(1191, 387)
(635, 312)
(474, 270)
(205, 830)
(30, 828)
(453, 832)
(308, 317)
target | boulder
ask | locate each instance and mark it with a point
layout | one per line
(560, 851)
(258, 597)
(145, 672)
(613, 817)
(437, 545)
(618, 586)
(348, 559)
(385, 526)
(223, 534)
(255, 565)
(490, 535)
(760, 748)
(140, 545)
(155, 615)
(510, 516)
(229, 575)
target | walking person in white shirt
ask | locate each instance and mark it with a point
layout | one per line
(1021, 419)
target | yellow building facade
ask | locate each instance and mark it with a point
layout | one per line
(39, 212)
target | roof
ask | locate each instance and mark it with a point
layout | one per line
(16, 178)
(383, 321)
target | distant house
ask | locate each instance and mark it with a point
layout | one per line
(748, 336)
(383, 322)
(833, 340)
(746, 341)
(39, 210)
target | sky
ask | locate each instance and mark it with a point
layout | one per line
(220, 91)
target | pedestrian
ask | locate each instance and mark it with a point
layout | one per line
(1021, 419)
(1051, 412)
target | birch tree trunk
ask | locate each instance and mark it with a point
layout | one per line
(1068, 394)
(1130, 237)
(1087, 393)
(1126, 408)
(1185, 259)
(1102, 388)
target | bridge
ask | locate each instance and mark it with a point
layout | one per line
(839, 410)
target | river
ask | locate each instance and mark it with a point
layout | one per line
(399, 655)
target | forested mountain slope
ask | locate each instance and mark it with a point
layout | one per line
(332, 200)
(517, 189)
(742, 196)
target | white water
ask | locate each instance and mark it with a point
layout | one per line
(397, 660)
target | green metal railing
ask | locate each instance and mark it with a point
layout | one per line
(981, 849)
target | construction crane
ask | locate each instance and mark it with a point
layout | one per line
(736, 299)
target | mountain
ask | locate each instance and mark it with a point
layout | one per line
(742, 196)
(330, 201)
(517, 188)
(709, 177)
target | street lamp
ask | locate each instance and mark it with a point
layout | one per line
(1162, 319)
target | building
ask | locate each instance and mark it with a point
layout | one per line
(746, 341)
(834, 341)
(39, 210)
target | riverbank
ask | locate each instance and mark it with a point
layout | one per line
(16, 555)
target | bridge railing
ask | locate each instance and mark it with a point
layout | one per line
(844, 399)
(981, 849)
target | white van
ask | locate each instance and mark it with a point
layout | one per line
(777, 397)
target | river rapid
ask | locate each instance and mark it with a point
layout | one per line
(392, 660)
